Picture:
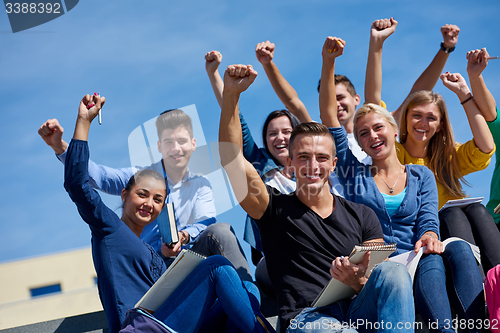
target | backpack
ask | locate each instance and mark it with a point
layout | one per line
(492, 292)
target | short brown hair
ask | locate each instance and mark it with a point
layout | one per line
(311, 129)
(171, 119)
(345, 81)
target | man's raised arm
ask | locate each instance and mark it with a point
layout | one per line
(429, 77)
(212, 62)
(106, 179)
(332, 48)
(248, 187)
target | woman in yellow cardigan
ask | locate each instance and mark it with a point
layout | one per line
(426, 138)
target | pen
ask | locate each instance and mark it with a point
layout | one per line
(100, 123)
(489, 58)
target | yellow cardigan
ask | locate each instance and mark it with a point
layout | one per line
(470, 159)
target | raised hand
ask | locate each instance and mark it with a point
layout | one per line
(87, 111)
(477, 60)
(381, 29)
(51, 132)
(90, 106)
(450, 35)
(332, 48)
(456, 83)
(265, 52)
(238, 78)
(213, 60)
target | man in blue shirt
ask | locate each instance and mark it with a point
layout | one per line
(191, 194)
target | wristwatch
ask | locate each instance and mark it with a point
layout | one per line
(447, 49)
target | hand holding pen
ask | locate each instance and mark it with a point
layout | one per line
(477, 60)
(95, 100)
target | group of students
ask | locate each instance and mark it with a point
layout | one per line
(303, 217)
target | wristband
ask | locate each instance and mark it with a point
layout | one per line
(447, 49)
(467, 99)
(429, 234)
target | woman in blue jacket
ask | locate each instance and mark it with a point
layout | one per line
(405, 199)
(127, 267)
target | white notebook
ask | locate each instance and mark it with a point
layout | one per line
(336, 290)
(185, 262)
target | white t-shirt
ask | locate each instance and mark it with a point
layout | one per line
(277, 180)
(360, 155)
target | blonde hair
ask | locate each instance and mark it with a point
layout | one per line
(442, 143)
(375, 109)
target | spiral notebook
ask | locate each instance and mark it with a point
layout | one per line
(336, 290)
(185, 262)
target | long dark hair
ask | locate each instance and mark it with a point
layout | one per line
(294, 121)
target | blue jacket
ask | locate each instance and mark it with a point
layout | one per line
(417, 213)
(259, 157)
(263, 163)
(126, 267)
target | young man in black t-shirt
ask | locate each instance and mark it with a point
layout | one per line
(306, 234)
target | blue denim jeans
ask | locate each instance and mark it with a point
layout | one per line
(220, 239)
(192, 306)
(385, 304)
(451, 279)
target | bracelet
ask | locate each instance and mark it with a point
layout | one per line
(467, 99)
(430, 235)
(447, 49)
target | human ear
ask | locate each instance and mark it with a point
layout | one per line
(357, 100)
(334, 164)
(193, 142)
(124, 195)
(159, 146)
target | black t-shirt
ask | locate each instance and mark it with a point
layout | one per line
(300, 246)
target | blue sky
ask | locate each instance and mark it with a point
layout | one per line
(148, 56)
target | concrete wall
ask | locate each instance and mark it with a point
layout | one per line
(73, 270)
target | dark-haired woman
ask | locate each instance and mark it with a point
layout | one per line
(127, 267)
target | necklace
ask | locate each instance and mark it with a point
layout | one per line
(391, 188)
